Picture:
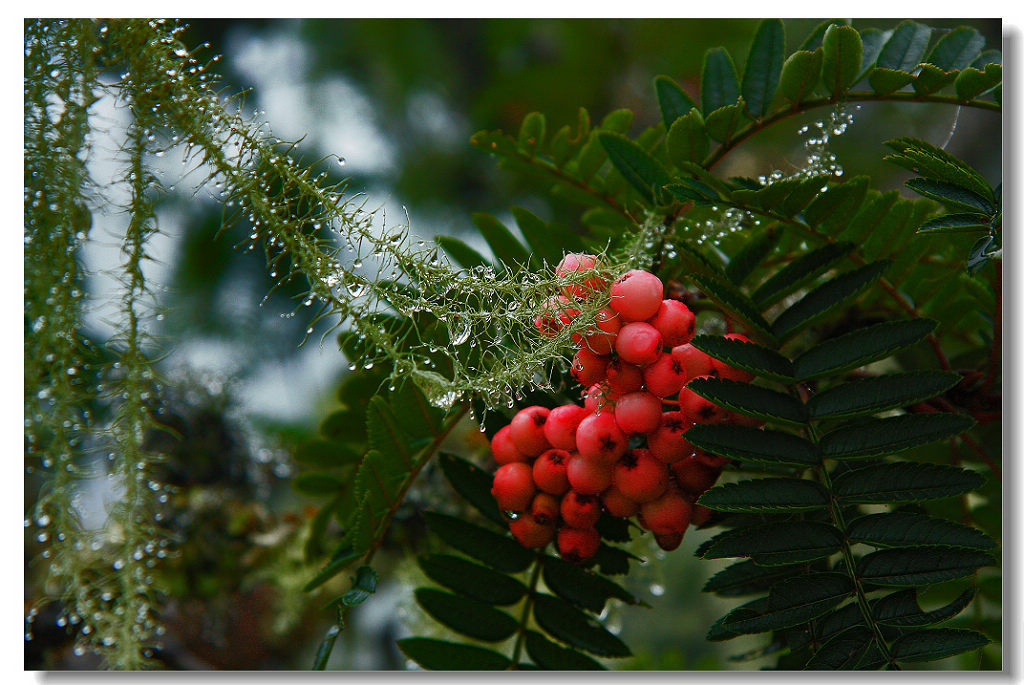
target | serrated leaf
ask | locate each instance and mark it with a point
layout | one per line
(463, 254)
(826, 298)
(904, 482)
(764, 64)
(385, 433)
(911, 566)
(754, 444)
(872, 40)
(860, 347)
(497, 551)
(938, 643)
(728, 297)
(842, 651)
(801, 73)
(555, 657)
(317, 484)
(955, 223)
(900, 609)
(473, 483)
(344, 426)
(814, 38)
(532, 133)
(440, 655)
(775, 544)
(725, 121)
(935, 163)
(546, 240)
(841, 63)
(378, 481)
(612, 561)
(766, 495)
(750, 256)
(325, 454)
(335, 566)
(687, 141)
(930, 79)
(881, 393)
(718, 84)
(794, 601)
(749, 356)
(506, 247)
(953, 196)
(837, 205)
(420, 419)
(672, 100)
(746, 577)
(973, 81)
(957, 49)
(472, 579)
(879, 437)
(801, 271)
(469, 617)
(750, 400)
(888, 80)
(643, 172)
(565, 622)
(718, 632)
(582, 587)
(617, 121)
(905, 47)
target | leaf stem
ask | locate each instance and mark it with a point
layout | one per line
(524, 616)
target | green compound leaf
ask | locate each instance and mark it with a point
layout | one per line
(335, 566)
(532, 132)
(748, 356)
(497, 551)
(764, 65)
(766, 495)
(317, 484)
(750, 256)
(793, 602)
(672, 100)
(860, 347)
(825, 299)
(836, 207)
(565, 622)
(746, 578)
(440, 655)
(912, 566)
(582, 587)
(547, 654)
(506, 247)
(841, 652)
(775, 544)
(938, 643)
(644, 173)
(718, 84)
(888, 80)
(801, 74)
(546, 240)
(754, 444)
(953, 196)
(904, 481)
(469, 617)
(841, 64)
(472, 579)
(728, 297)
(718, 632)
(687, 141)
(813, 40)
(873, 395)
(386, 434)
(905, 47)
(905, 529)
(900, 609)
(723, 123)
(873, 41)
(750, 400)
(957, 49)
(955, 223)
(463, 254)
(878, 437)
(473, 483)
(973, 81)
(938, 165)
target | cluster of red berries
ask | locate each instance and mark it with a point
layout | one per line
(559, 469)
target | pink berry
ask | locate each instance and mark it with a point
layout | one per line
(504, 448)
(561, 424)
(700, 410)
(577, 545)
(624, 377)
(600, 439)
(639, 343)
(587, 476)
(513, 486)
(695, 363)
(667, 443)
(549, 471)
(640, 477)
(600, 338)
(636, 295)
(579, 510)
(618, 504)
(530, 533)
(528, 430)
(588, 368)
(693, 476)
(545, 508)
(667, 515)
(675, 322)
(664, 377)
(638, 412)
(572, 263)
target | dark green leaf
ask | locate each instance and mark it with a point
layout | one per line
(613, 528)
(748, 356)
(612, 561)
(472, 579)
(565, 622)
(687, 141)
(764, 64)
(751, 255)
(750, 400)
(731, 299)
(470, 617)
(583, 588)
(364, 584)
(841, 64)
(420, 419)
(555, 657)
(878, 437)
(978, 256)
(344, 426)
(385, 432)
(873, 41)
(793, 602)
(497, 551)
(903, 529)
(333, 568)
(439, 655)
(905, 47)
(323, 652)
(935, 163)
(718, 84)
(957, 49)
(900, 609)
(379, 480)
(473, 483)
(801, 271)
(801, 73)
(505, 246)
(532, 132)
(835, 208)
(725, 121)
(463, 254)
(766, 495)
(317, 484)
(325, 454)
(813, 40)
(672, 100)
(775, 544)
(617, 121)
(860, 347)
(938, 643)
(692, 189)
(718, 632)
(842, 651)
(931, 79)
(645, 173)
(881, 393)
(988, 57)
(546, 240)
(825, 299)
(904, 481)
(746, 577)
(888, 80)
(971, 82)
(955, 223)
(754, 444)
(910, 566)
(953, 196)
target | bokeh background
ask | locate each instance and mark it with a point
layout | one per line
(398, 100)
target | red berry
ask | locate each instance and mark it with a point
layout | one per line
(600, 338)
(694, 476)
(667, 515)
(700, 515)
(577, 545)
(639, 343)
(700, 410)
(749, 421)
(640, 477)
(513, 486)
(544, 508)
(695, 363)
(588, 368)
(580, 511)
(636, 295)
(711, 460)
(600, 439)
(588, 477)
(549, 471)
(530, 533)
(504, 448)
(555, 314)
(528, 430)
(599, 397)
(667, 443)
(723, 370)
(562, 422)
(669, 541)
(624, 377)
(675, 322)
(638, 412)
(618, 504)
(579, 262)
(665, 376)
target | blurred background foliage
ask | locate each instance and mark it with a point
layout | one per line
(399, 100)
